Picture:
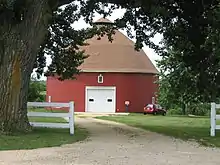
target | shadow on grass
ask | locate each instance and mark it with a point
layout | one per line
(41, 137)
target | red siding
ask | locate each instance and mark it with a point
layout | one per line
(137, 88)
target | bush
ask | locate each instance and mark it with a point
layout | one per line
(36, 91)
(199, 109)
(193, 109)
(175, 111)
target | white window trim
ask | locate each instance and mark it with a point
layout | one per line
(102, 79)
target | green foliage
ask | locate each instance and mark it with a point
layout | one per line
(166, 96)
(63, 43)
(175, 111)
(36, 91)
(178, 88)
(178, 101)
(190, 52)
(199, 109)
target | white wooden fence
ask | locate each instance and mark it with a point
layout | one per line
(69, 115)
(214, 117)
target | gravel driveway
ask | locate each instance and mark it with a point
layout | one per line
(116, 144)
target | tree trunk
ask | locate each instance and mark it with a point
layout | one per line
(183, 108)
(19, 44)
(14, 84)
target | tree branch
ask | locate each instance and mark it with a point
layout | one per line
(117, 2)
(64, 2)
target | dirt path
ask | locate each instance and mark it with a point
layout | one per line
(116, 144)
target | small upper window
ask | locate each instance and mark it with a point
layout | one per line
(100, 79)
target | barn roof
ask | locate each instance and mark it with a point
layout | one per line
(118, 56)
(101, 20)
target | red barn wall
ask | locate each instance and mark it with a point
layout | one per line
(137, 88)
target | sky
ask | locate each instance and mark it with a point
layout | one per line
(115, 15)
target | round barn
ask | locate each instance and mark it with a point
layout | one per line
(113, 75)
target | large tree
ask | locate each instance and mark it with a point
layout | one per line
(178, 84)
(29, 29)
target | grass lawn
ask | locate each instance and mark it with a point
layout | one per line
(185, 128)
(45, 119)
(44, 110)
(42, 137)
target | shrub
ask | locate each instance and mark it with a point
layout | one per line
(202, 109)
(174, 111)
(36, 91)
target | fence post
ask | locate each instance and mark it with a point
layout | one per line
(71, 118)
(213, 119)
(49, 99)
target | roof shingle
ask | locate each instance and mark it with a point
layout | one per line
(118, 56)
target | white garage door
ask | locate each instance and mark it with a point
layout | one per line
(100, 99)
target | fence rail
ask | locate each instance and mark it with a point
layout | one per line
(47, 104)
(69, 115)
(214, 117)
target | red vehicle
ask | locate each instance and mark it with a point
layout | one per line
(154, 109)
